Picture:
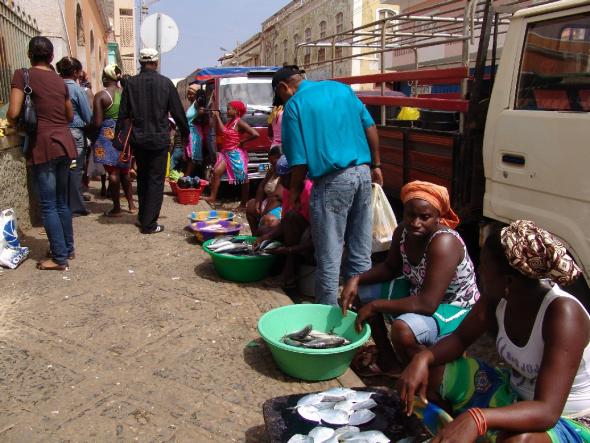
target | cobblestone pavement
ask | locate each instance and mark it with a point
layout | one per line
(139, 341)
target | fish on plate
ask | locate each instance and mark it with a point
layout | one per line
(361, 417)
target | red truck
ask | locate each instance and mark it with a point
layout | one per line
(251, 85)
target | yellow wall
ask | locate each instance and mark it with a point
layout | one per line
(93, 61)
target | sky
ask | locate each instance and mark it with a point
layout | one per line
(206, 26)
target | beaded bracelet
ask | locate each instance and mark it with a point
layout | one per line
(480, 420)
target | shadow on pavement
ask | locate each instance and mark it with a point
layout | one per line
(257, 355)
(256, 434)
(38, 246)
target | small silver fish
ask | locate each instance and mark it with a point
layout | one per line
(326, 343)
(232, 248)
(367, 404)
(310, 413)
(362, 396)
(345, 405)
(361, 417)
(300, 438)
(325, 405)
(291, 342)
(301, 334)
(346, 432)
(333, 416)
(272, 245)
(373, 436)
(338, 394)
(220, 239)
(218, 245)
(310, 399)
(321, 433)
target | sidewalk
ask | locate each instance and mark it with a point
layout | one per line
(139, 341)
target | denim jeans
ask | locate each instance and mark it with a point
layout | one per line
(341, 215)
(75, 199)
(51, 180)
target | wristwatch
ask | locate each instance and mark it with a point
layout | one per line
(376, 165)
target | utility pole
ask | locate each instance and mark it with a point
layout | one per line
(144, 9)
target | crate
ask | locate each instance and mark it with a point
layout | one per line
(188, 196)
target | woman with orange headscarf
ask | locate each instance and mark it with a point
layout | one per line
(232, 159)
(435, 292)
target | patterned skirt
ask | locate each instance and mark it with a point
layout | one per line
(103, 149)
(236, 165)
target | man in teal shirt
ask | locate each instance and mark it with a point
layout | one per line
(329, 136)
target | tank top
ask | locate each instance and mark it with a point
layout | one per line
(231, 136)
(526, 361)
(271, 185)
(276, 130)
(462, 291)
(113, 110)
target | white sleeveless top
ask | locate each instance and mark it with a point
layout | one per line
(526, 361)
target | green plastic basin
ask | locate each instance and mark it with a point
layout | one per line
(241, 268)
(311, 364)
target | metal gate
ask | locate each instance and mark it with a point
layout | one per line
(16, 29)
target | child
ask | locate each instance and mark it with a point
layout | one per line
(232, 159)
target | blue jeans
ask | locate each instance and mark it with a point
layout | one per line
(51, 180)
(75, 199)
(340, 210)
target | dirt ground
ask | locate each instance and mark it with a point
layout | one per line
(139, 341)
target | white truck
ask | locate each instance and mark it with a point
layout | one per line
(511, 142)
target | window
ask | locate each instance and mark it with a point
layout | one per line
(128, 12)
(276, 54)
(307, 58)
(285, 51)
(79, 26)
(339, 28)
(296, 41)
(92, 42)
(555, 66)
(322, 51)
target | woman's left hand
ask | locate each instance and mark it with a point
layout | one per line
(364, 314)
(461, 430)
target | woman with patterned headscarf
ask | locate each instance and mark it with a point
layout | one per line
(232, 160)
(425, 287)
(106, 112)
(543, 336)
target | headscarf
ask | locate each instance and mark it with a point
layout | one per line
(536, 253)
(283, 166)
(239, 106)
(436, 195)
(193, 87)
(110, 71)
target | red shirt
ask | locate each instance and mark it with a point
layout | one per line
(304, 198)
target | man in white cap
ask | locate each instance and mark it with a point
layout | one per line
(148, 99)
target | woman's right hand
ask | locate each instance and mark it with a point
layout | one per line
(215, 114)
(258, 207)
(349, 294)
(414, 381)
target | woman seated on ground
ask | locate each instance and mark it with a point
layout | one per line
(543, 336)
(264, 211)
(232, 160)
(294, 229)
(442, 287)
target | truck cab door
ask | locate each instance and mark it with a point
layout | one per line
(537, 140)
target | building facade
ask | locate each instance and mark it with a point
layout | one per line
(248, 53)
(124, 33)
(310, 20)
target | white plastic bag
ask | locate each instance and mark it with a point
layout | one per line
(384, 221)
(11, 252)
